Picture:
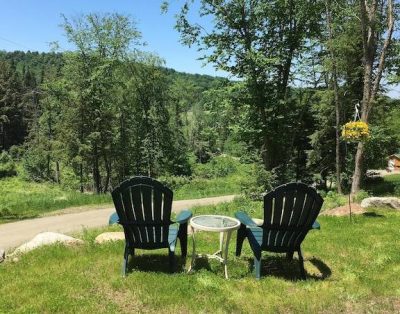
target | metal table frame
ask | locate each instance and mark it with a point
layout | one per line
(225, 234)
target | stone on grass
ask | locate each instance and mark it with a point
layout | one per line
(2, 255)
(46, 238)
(392, 202)
(109, 236)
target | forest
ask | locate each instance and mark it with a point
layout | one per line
(89, 118)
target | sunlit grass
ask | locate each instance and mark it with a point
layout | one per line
(351, 267)
(21, 199)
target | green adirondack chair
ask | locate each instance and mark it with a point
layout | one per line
(290, 211)
(143, 208)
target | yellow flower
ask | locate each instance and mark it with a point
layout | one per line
(355, 131)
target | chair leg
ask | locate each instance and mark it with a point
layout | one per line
(241, 235)
(171, 255)
(182, 235)
(125, 262)
(257, 266)
(301, 262)
(289, 256)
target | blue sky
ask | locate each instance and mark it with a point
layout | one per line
(32, 24)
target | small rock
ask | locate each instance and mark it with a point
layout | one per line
(392, 202)
(2, 255)
(109, 236)
(15, 260)
(46, 238)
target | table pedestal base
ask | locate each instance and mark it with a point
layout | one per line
(221, 255)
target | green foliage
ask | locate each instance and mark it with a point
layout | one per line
(257, 181)
(35, 165)
(174, 182)
(7, 165)
(388, 186)
(333, 199)
(219, 166)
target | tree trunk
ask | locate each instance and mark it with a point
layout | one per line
(108, 173)
(81, 177)
(58, 172)
(336, 95)
(358, 171)
(96, 171)
(371, 35)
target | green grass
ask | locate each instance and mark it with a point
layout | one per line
(199, 188)
(20, 199)
(352, 268)
(386, 186)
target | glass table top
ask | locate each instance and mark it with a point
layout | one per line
(214, 222)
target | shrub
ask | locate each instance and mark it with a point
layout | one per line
(217, 167)
(7, 165)
(360, 196)
(174, 182)
(333, 199)
(257, 181)
(34, 164)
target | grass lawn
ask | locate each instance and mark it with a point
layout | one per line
(386, 186)
(352, 268)
(20, 199)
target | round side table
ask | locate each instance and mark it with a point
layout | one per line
(214, 223)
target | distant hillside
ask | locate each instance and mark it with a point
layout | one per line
(39, 62)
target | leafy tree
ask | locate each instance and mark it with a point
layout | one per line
(259, 42)
(377, 25)
(12, 124)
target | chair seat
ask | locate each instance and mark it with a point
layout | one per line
(256, 239)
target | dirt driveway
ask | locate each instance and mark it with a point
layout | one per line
(15, 233)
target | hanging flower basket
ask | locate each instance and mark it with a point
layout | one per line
(355, 131)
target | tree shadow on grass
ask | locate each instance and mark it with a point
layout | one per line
(378, 186)
(202, 262)
(155, 263)
(281, 267)
(373, 215)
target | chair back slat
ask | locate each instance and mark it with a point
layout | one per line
(268, 207)
(144, 207)
(289, 211)
(147, 204)
(278, 207)
(157, 206)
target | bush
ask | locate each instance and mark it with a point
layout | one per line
(360, 196)
(7, 165)
(174, 182)
(333, 199)
(34, 164)
(257, 181)
(217, 167)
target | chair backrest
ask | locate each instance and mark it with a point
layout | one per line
(289, 213)
(144, 209)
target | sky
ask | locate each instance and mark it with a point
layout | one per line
(33, 24)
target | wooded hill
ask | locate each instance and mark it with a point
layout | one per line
(107, 111)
